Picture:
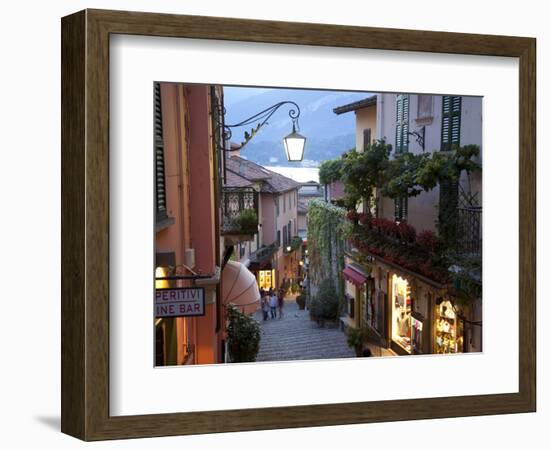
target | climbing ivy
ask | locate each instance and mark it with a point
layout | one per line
(326, 224)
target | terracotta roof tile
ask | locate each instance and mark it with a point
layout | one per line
(271, 181)
(234, 180)
(366, 102)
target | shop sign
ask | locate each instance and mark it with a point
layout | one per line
(179, 302)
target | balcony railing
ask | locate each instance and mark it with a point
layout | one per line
(239, 211)
(263, 254)
(469, 233)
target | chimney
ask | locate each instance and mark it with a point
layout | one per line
(234, 149)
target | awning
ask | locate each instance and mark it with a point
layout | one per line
(354, 277)
(239, 287)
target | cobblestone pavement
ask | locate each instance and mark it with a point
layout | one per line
(296, 337)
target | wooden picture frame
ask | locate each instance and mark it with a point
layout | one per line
(85, 224)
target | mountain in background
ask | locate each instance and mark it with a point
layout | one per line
(328, 135)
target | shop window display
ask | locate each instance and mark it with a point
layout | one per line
(401, 314)
(449, 329)
(266, 279)
(416, 334)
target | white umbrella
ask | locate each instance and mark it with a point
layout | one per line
(239, 287)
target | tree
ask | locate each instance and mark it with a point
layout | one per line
(363, 172)
(330, 171)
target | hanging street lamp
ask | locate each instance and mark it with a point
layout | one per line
(294, 143)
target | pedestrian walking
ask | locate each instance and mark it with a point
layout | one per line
(265, 304)
(281, 302)
(273, 304)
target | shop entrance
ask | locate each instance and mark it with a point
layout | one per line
(401, 315)
(449, 329)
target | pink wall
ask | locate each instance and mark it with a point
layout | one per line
(269, 233)
(190, 202)
(201, 178)
(206, 338)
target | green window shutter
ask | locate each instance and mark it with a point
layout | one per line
(450, 121)
(402, 124)
(160, 173)
(405, 126)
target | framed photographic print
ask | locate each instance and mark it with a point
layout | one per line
(273, 225)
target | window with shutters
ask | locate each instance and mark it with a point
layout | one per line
(279, 238)
(402, 124)
(277, 204)
(450, 122)
(366, 138)
(285, 236)
(401, 206)
(424, 113)
(160, 173)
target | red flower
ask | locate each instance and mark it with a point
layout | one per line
(427, 239)
(364, 219)
(407, 232)
(352, 215)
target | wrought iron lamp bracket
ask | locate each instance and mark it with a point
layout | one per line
(223, 132)
(420, 136)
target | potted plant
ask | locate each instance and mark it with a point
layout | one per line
(243, 336)
(247, 221)
(324, 306)
(356, 339)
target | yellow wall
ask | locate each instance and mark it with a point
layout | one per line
(364, 118)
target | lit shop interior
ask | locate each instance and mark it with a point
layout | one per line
(401, 314)
(449, 329)
(266, 279)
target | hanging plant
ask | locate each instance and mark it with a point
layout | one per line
(326, 227)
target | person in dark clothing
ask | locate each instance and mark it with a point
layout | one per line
(367, 352)
(281, 302)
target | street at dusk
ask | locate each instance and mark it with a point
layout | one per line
(301, 224)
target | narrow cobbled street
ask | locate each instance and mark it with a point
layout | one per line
(296, 337)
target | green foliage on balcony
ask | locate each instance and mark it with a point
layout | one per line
(244, 222)
(373, 172)
(294, 244)
(400, 244)
(423, 253)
